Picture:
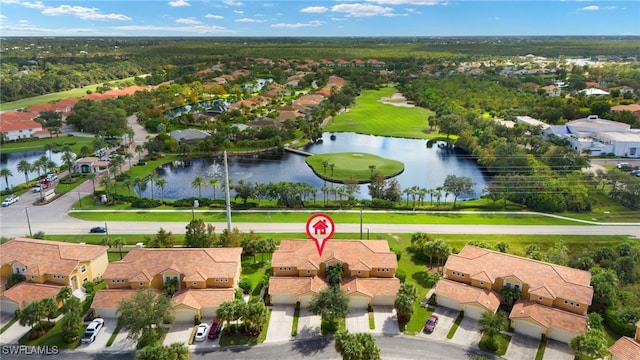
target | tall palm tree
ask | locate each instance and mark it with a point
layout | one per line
(106, 182)
(152, 179)
(24, 166)
(128, 156)
(197, 182)
(49, 148)
(139, 149)
(92, 176)
(38, 166)
(161, 183)
(6, 173)
(68, 159)
(50, 165)
(214, 184)
(141, 184)
(372, 167)
(127, 184)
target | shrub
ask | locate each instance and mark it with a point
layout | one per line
(196, 319)
(400, 274)
(246, 285)
(491, 344)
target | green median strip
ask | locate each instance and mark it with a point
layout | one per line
(456, 323)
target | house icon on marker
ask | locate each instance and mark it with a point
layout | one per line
(320, 227)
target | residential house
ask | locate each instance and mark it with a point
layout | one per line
(593, 92)
(632, 108)
(204, 278)
(627, 348)
(47, 267)
(16, 125)
(554, 298)
(189, 136)
(368, 268)
(89, 164)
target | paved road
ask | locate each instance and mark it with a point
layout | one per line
(53, 219)
(323, 348)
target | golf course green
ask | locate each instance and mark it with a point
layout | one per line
(340, 167)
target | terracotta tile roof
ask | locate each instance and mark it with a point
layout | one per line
(296, 285)
(201, 298)
(549, 317)
(626, 349)
(16, 120)
(48, 257)
(467, 294)
(111, 298)
(371, 286)
(30, 292)
(630, 107)
(372, 253)
(564, 282)
(208, 263)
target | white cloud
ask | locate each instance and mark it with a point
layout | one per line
(82, 12)
(315, 9)
(361, 10)
(248, 20)
(590, 8)
(238, 11)
(232, 3)
(189, 21)
(338, 19)
(313, 23)
(179, 3)
(204, 29)
(411, 2)
(394, 15)
(2, 16)
(211, 16)
(33, 5)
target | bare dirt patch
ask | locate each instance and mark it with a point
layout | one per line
(397, 99)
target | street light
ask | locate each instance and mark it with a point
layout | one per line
(26, 210)
(193, 209)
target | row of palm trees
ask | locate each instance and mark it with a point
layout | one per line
(42, 165)
(419, 194)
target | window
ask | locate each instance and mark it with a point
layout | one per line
(359, 272)
(308, 272)
(32, 277)
(140, 284)
(566, 302)
(85, 280)
(284, 268)
(577, 305)
(481, 283)
(83, 269)
(195, 283)
(515, 286)
(539, 298)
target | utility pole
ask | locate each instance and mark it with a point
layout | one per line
(26, 210)
(227, 195)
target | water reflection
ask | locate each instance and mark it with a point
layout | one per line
(10, 161)
(426, 167)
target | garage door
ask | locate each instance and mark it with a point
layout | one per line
(185, 315)
(560, 335)
(305, 300)
(384, 300)
(8, 306)
(448, 302)
(527, 328)
(107, 313)
(283, 299)
(358, 301)
(473, 312)
(209, 312)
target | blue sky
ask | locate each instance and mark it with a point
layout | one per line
(317, 18)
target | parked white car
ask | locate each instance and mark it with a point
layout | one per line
(201, 333)
(52, 177)
(10, 200)
(92, 330)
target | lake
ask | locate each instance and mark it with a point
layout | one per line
(426, 167)
(11, 160)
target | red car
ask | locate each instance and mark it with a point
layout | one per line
(431, 324)
(214, 329)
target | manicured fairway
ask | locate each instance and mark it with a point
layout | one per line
(58, 142)
(350, 165)
(370, 116)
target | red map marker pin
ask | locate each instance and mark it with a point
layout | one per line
(320, 228)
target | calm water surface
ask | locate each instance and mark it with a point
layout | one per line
(424, 167)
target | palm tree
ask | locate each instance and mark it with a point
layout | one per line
(214, 184)
(491, 325)
(6, 173)
(24, 166)
(37, 166)
(404, 307)
(49, 148)
(68, 158)
(92, 176)
(161, 183)
(106, 182)
(118, 243)
(64, 294)
(128, 156)
(324, 165)
(197, 182)
(50, 165)
(141, 184)
(139, 149)
(331, 166)
(152, 179)
(127, 184)
(372, 167)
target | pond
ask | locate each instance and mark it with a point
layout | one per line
(11, 160)
(426, 167)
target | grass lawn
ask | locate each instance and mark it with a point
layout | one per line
(47, 98)
(503, 344)
(52, 338)
(296, 318)
(455, 325)
(370, 116)
(8, 325)
(353, 217)
(352, 165)
(541, 347)
(58, 142)
(255, 271)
